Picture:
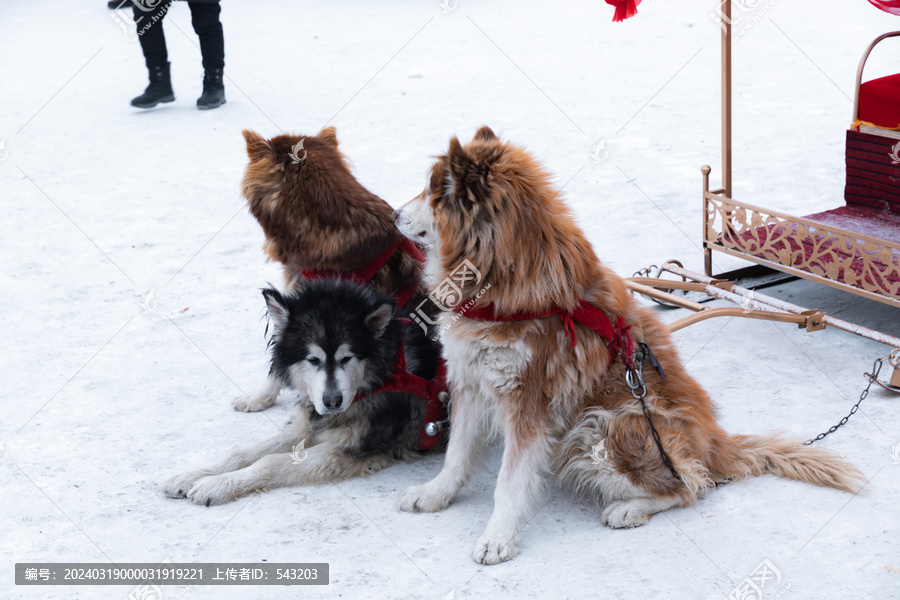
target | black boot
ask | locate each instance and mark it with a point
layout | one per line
(159, 90)
(213, 95)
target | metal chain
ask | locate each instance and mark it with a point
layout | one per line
(645, 272)
(635, 380)
(876, 369)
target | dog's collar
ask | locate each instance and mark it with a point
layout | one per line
(401, 380)
(616, 334)
(365, 274)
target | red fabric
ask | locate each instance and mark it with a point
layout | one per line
(866, 220)
(365, 274)
(873, 174)
(624, 9)
(879, 101)
(616, 335)
(402, 380)
(890, 6)
(863, 219)
(872, 194)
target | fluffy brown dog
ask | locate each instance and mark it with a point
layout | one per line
(559, 408)
(318, 219)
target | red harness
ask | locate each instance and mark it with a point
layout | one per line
(365, 274)
(616, 335)
(618, 339)
(402, 380)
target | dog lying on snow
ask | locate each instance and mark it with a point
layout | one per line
(320, 221)
(332, 341)
(522, 366)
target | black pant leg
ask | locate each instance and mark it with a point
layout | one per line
(150, 34)
(205, 19)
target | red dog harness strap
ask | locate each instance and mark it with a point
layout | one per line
(401, 380)
(365, 274)
(618, 339)
(616, 335)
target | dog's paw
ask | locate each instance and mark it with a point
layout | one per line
(491, 551)
(625, 514)
(424, 498)
(179, 485)
(215, 489)
(246, 403)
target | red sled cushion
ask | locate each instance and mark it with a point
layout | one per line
(879, 101)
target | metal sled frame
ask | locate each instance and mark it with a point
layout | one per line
(727, 222)
(800, 247)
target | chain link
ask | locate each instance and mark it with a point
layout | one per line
(876, 369)
(634, 379)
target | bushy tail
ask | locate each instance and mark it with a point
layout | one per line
(757, 455)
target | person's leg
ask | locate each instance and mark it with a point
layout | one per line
(153, 44)
(150, 34)
(205, 19)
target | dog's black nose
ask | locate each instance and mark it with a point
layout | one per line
(332, 401)
(396, 215)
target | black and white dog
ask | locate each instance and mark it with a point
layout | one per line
(332, 341)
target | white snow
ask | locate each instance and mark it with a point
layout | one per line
(105, 392)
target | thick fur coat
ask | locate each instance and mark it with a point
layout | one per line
(560, 410)
(317, 217)
(331, 341)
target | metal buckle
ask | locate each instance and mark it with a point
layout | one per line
(635, 381)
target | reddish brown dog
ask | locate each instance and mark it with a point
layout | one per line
(564, 410)
(318, 218)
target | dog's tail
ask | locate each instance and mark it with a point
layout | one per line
(751, 455)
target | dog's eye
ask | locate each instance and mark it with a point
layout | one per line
(346, 360)
(314, 361)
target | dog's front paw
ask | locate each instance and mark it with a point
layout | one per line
(625, 514)
(424, 498)
(246, 403)
(215, 489)
(490, 551)
(179, 485)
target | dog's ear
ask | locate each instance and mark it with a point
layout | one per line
(458, 162)
(468, 180)
(277, 307)
(380, 318)
(485, 134)
(329, 134)
(257, 147)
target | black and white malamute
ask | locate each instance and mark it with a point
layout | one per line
(333, 342)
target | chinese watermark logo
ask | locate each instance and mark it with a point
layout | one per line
(895, 455)
(4, 153)
(146, 592)
(128, 25)
(599, 153)
(895, 154)
(751, 588)
(599, 453)
(296, 449)
(448, 296)
(448, 5)
(748, 301)
(296, 158)
(744, 15)
(148, 301)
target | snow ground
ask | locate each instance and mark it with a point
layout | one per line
(102, 204)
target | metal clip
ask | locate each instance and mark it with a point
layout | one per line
(634, 379)
(433, 428)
